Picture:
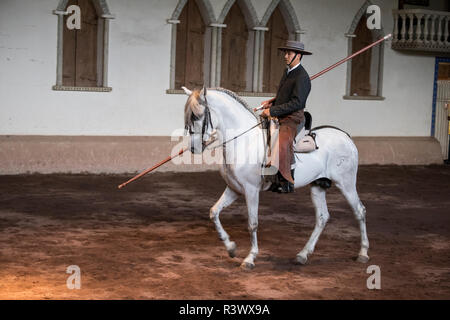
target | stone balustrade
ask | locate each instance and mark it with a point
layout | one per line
(421, 30)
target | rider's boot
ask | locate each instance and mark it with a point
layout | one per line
(275, 183)
(291, 185)
(284, 185)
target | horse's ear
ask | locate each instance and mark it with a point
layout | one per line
(203, 92)
(187, 91)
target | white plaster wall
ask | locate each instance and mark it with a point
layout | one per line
(218, 6)
(261, 7)
(139, 59)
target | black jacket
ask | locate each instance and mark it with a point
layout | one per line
(291, 96)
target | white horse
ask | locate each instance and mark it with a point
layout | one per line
(336, 159)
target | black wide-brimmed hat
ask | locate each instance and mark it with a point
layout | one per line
(296, 46)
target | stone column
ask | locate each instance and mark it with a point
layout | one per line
(216, 53)
(106, 48)
(173, 52)
(213, 63)
(261, 59)
(258, 62)
(425, 29)
(298, 34)
(60, 43)
(256, 50)
(350, 37)
(419, 28)
(403, 31)
(446, 30)
(395, 35)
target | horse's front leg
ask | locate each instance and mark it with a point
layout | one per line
(227, 198)
(252, 200)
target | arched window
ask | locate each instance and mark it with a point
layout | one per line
(281, 24)
(190, 47)
(234, 71)
(80, 48)
(230, 50)
(83, 53)
(365, 71)
(275, 37)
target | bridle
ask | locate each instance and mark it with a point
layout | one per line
(207, 122)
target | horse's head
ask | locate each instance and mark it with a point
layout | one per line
(197, 119)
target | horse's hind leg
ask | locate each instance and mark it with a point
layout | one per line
(349, 192)
(227, 198)
(318, 198)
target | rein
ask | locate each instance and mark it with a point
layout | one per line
(232, 139)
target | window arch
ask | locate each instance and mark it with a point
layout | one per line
(83, 53)
(282, 24)
(238, 47)
(274, 38)
(365, 71)
(191, 50)
(189, 65)
(234, 44)
(290, 18)
(235, 38)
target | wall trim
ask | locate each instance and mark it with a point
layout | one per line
(130, 154)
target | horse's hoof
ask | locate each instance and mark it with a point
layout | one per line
(247, 266)
(232, 250)
(299, 259)
(363, 259)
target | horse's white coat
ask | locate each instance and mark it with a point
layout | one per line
(336, 159)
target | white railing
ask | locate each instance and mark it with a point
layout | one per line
(422, 30)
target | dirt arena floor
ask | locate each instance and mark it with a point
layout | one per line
(154, 240)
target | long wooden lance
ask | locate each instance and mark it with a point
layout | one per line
(351, 56)
(143, 173)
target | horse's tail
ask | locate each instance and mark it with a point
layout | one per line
(329, 127)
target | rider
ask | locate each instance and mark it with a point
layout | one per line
(288, 106)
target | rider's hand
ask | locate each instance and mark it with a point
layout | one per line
(267, 104)
(265, 113)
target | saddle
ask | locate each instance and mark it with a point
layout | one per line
(304, 142)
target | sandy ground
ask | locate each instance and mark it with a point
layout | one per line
(154, 240)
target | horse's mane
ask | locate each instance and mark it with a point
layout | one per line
(194, 104)
(237, 98)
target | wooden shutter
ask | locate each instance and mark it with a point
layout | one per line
(444, 71)
(234, 51)
(80, 48)
(274, 65)
(86, 71)
(361, 64)
(190, 47)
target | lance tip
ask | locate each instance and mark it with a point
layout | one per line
(388, 36)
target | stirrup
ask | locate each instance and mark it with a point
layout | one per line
(286, 188)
